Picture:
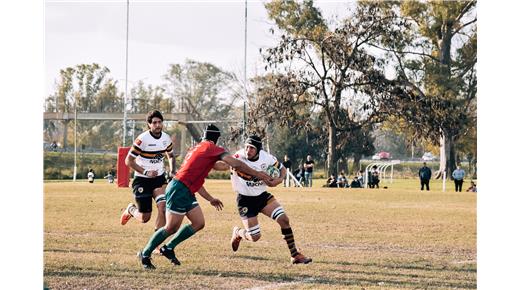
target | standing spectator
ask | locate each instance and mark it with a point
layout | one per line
(288, 165)
(309, 166)
(375, 177)
(458, 177)
(90, 175)
(425, 174)
(472, 188)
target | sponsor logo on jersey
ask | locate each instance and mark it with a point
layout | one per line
(138, 142)
(263, 166)
(158, 158)
(152, 145)
(254, 183)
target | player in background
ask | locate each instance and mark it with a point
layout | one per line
(146, 158)
(252, 198)
(180, 195)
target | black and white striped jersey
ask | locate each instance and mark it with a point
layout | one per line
(150, 151)
(249, 185)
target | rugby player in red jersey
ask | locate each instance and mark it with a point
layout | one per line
(180, 195)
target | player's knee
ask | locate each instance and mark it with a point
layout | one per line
(278, 213)
(161, 206)
(198, 226)
(160, 200)
(283, 221)
(170, 229)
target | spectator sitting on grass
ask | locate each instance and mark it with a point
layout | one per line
(331, 182)
(342, 180)
(472, 188)
(355, 183)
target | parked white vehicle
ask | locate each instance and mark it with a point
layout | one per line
(428, 156)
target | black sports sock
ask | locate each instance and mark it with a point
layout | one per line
(289, 239)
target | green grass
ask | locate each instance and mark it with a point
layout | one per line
(395, 238)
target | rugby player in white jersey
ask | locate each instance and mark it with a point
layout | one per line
(253, 198)
(146, 158)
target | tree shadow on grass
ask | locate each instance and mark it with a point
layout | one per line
(342, 281)
(254, 258)
(403, 266)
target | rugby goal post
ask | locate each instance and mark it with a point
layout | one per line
(291, 176)
(381, 166)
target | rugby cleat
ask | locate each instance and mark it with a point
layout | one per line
(235, 239)
(170, 255)
(145, 261)
(126, 216)
(300, 259)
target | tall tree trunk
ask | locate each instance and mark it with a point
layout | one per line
(451, 162)
(332, 156)
(447, 162)
(474, 166)
(357, 163)
(442, 157)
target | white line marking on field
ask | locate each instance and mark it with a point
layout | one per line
(464, 262)
(282, 284)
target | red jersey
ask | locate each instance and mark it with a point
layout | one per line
(197, 164)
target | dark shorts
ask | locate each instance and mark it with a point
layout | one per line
(179, 199)
(143, 191)
(250, 206)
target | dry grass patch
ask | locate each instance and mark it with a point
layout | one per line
(396, 238)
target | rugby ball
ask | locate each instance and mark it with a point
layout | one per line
(273, 171)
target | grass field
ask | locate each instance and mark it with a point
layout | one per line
(395, 238)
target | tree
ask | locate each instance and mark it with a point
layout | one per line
(435, 68)
(323, 69)
(202, 90)
(77, 89)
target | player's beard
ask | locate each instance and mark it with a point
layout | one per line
(157, 132)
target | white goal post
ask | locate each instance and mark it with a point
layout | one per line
(381, 167)
(289, 175)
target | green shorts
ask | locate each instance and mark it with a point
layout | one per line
(179, 199)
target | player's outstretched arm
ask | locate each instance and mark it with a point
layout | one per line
(241, 166)
(213, 201)
(221, 166)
